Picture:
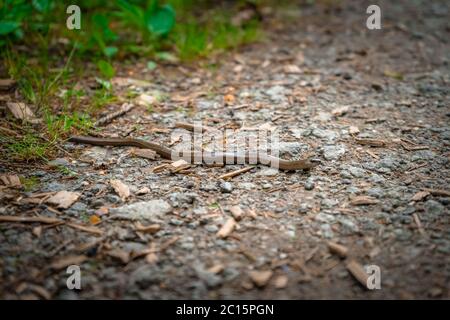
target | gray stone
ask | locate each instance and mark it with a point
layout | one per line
(59, 162)
(324, 134)
(375, 192)
(329, 203)
(270, 172)
(178, 198)
(332, 152)
(309, 184)
(357, 172)
(433, 208)
(211, 228)
(151, 210)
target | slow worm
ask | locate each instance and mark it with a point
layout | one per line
(205, 157)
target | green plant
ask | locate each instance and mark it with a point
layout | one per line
(60, 125)
(29, 183)
(27, 148)
(106, 69)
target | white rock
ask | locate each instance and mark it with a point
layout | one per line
(151, 210)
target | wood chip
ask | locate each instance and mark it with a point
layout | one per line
(363, 200)
(357, 271)
(21, 111)
(120, 254)
(227, 228)
(419, 224)
(235, 173)
(64, 199)
(41, 291)
(151, 258)
(144, 153)
(64, 262)
(338, 249)
(260, 278)
(439, 192)
(371, 142)
(281, 282)
(37, 231)
(229, 99)
(340, 111)
(146, 100)
(237, 212)
(179, 165)
(353, 130)
(143, 190)
(292, 69)
(251, 213)
(168, 243)
(11, 180)
(29, 219)
(217, 268)
(152, 228)
(120, 188)
(419, 196)
(7, 84)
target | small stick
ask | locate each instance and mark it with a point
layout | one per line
(235, 173)
(29, 219)
(108, 118)
(191, 127)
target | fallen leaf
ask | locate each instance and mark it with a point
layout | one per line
(151, 258)
(29, 219)
(102, 211)
(143, 190)
(37, 231)
(94, 219)
(120, 254)
(292, 68)
(11, 180)
(120, 188)
(217, 268)
(260, 278)
(420, 195)
(64, 262)
(371, 142)
(152, 228)
(237, 212)
(229, 99)
(340, 111)
(227, 228)
(353, 130)
(281, 282)
(393, 74)
(21, 111)
(64, 199)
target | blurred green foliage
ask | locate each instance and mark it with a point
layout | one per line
(123, 27)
